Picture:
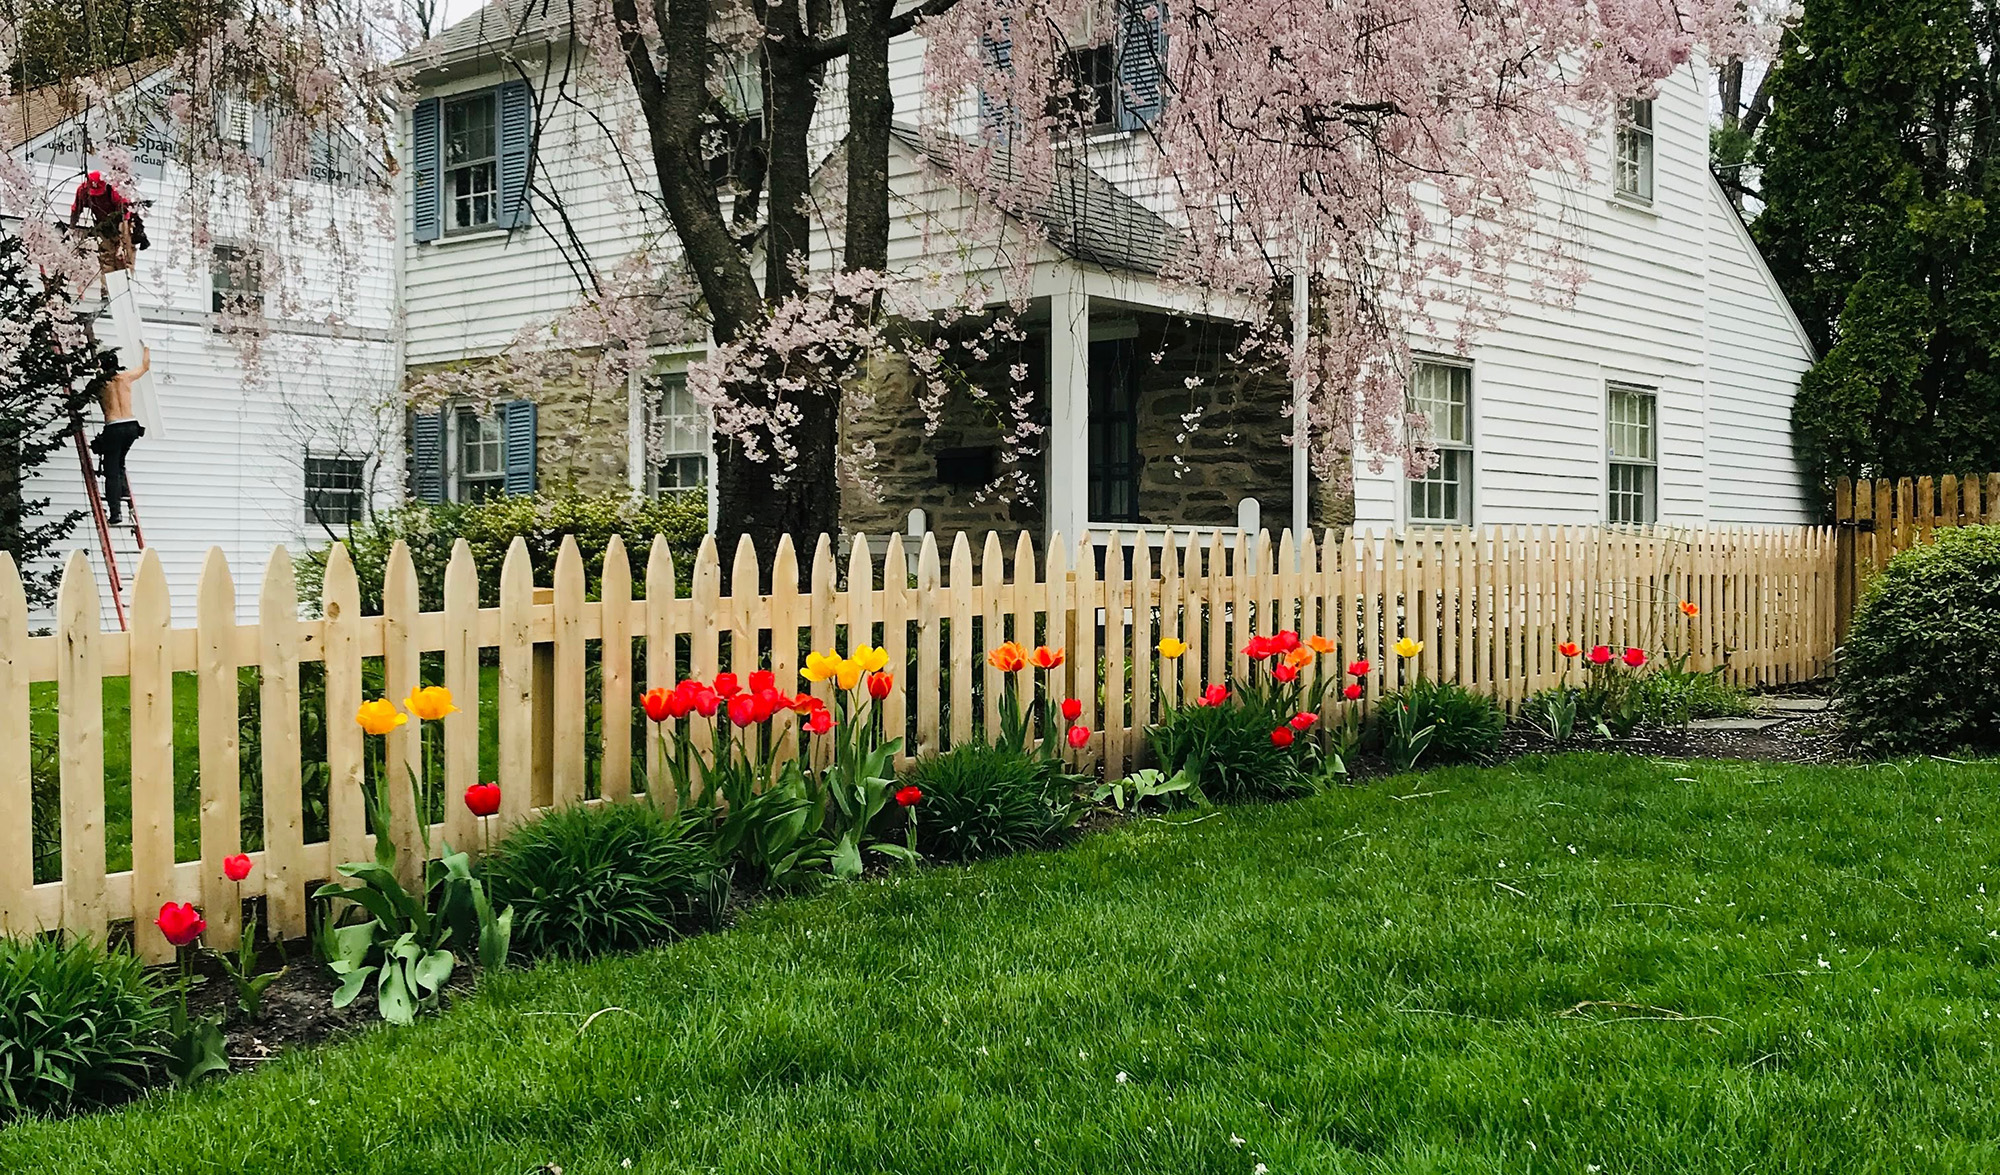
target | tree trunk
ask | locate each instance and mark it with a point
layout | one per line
(870, 106)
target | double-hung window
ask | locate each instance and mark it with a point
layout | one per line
(1633, 161)
(334, 490)
(679, 437)
(1632, 416)
(1442, 394)
(482, 461)
(235, 280)
(471, 161)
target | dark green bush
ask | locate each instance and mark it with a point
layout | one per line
(1233, 744)
(489, 527)
(981, 801)
(587, 879)
(79, 1026)
(1917, 671)
(1464, 726)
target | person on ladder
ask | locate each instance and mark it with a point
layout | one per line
(114, 221)
(121, 427)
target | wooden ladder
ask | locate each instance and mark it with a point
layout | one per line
(106, 530)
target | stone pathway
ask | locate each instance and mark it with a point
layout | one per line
(1771, 711)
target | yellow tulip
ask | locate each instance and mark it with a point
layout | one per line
(848, 674)
(1408, 648)
(430, 703)
(872, 660)
(820, 666)
(379, 716)
(1172, 647)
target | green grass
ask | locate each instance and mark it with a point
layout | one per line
(1353, 983)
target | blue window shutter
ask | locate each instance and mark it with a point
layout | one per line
(426, 178)
(996, 116)
(1142, 62)
(517, 441)
(517, 140)
(427, 457)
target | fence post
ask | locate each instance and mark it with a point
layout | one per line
(221, 792)
(1845, 542)
(151, 682)
(461, 676)
(614, 593)
(278, 733)
(17, 807)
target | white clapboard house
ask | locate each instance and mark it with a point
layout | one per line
(244, 451)
(1662, 393)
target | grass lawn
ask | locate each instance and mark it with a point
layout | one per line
(1576, 964)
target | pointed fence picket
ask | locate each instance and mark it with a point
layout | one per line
(1489, 605)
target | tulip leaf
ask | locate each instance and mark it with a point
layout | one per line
(393, 998)
(430, 973)
(351, 986)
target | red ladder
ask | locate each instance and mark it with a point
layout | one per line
(104, 528)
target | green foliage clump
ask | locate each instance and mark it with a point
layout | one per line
(1924, 650)
(1439, 722)
(1884, 240)
(588, 879)
(1231, 750)
(1673, 696)
(541, 521)
(982, 801)
(79, 1026)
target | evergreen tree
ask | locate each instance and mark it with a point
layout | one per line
(1879, 222)
(46, 365)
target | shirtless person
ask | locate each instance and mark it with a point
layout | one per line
(121, 427)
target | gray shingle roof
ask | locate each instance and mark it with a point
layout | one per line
(1084, 214)
(497, 27)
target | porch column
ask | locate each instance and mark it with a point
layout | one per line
(1067, 495)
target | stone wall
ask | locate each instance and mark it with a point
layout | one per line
(580, 432)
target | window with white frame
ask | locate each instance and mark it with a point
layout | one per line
(334, 490)
(471, 161)
(1632, 432)
(678, 438)
(236, 119)
(481, 465)
(734, 147)
(1442, 394)
(1633, 165)
(235, 280)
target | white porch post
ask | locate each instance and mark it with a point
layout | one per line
(1067, 494)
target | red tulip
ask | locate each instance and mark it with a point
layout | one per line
(909, 796)
(656, 704)
(1359, 668)
(1285, 673)
(1079, 736)
(763, 705)
(1287, 640)
(1215, 695)
(181, 923)
(1303, 720)
(1281, 737)
(483, 799)
(1635, 657)
(707, 702)
(1600, 655)
(727, 685)
(820, 722)
(881, 685)
(1352, 692)
(806, 704)
(1045, 658)
(1259, 648)
(1072, 709)
(236, 868)
(743, 709)
(762, 680)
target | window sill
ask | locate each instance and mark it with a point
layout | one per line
(469, 237)
(1634, 204)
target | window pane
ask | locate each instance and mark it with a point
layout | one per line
(468, 130)
(1445, 493)
(1630, 414)
(1631, 493)
(333, 490)
(1442, 392)
(1633, 157)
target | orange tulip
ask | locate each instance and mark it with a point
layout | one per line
(1568, 649)
(1690, 609)
(1008, 658)
(1045, 658)
(1299, 658)
(1321, 645)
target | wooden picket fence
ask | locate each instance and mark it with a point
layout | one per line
(1489, 605)
(1874, 519)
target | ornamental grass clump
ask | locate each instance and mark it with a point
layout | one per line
(983, 801)
(79, 1026)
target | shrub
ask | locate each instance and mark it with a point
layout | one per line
(1669, 696)
(587, 879)
(490, 527)
(1925, 648)
(1439, 722)
(1232, 743)
(79, 1026)
(981, 801)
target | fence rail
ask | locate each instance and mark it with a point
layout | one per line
(1875, 519)
(1489, 605)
